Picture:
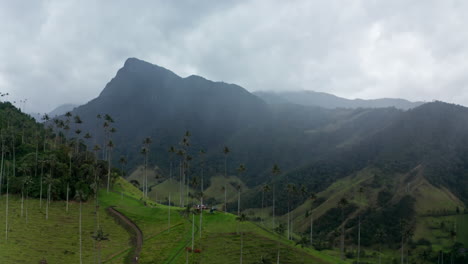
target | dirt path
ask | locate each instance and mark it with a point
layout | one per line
(137, 235)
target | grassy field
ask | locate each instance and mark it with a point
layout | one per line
(56, 239)
(220, 235)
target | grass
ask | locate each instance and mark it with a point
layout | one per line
(220, 240)
(56, 239)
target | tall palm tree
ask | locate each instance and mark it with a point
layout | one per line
(77, 141)
(181, 154)
(6, 202)
(342, 205)
(312, 198)
(70, 154)
(27, 181)
(241, 218)
(275, 172)
(291, 190)
(202, 163)
(123, 162)
(380, 235)
(146, 143)
(266, 188)
(226, 152)
(80, 196)
(240, 170)
(46, 119)
(110, 146)
(49, 181)
(87, 136)
(361, 190)
(171, 151)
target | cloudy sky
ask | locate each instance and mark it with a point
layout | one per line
(60, 51)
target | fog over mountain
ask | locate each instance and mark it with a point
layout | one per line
(146, 100)
(311, 98)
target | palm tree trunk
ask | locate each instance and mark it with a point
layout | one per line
(81, 256)
(359, 241)
(278, 257)
(402, 250)
(193, 230)
(22, 201)
(273, 206)
(311, 229)
(26, 204)
(40, 183)
(68, 191)
(380, 253)
(169, 215)
(180, 183)
(201, 215)
(263, 198)
(1, 165)
(48, 201)
(242, 246)
(108, 170)
(238, 204)
(6, 210)
(289, 220)
(225, 184)
(342, 234)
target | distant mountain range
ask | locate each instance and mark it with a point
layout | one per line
(315, 138)
(325, 100)
(58, 111)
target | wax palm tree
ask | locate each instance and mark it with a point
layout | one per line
(406, 233)
(266, 188)
(87, 136)
(380, 235)
(123, 162)
(80, 196)
(110, 146)
(27, 181)
(275, 172)
(312, 197)
(291, 190)
(46, 119)
(241, 218)
(77, 141)
(7, 201)
(23, 169)
(181, 154)
(202, 163)
(172, 152)
(241, 169)
(99, 237)
(361, 190)
(70, 154)
(342, 205)
(146, 143)
(78, 122)
(226, 152)
(49, 181)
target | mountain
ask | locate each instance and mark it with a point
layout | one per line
(61, 110)
(325, 100)
(58, 111)
(146, 100)
(311, 144)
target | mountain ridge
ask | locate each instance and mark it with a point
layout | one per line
(326, 100)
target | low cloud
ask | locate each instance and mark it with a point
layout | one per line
(55, 52)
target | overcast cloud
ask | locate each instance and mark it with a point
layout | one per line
(58, 51)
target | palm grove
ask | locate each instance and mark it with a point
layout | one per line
(56, 161)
